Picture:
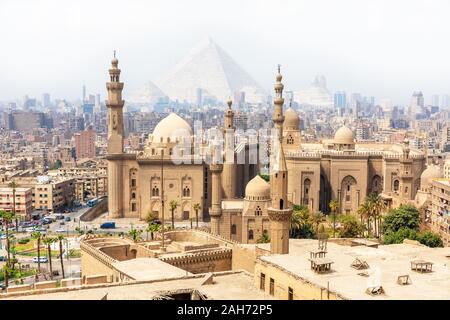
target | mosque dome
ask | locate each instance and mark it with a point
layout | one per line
(343, 135)
(432, 172)
(171, 127)
(291, 120)
(257, 189)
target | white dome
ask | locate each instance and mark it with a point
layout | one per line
(343, 136)
(257, 188)
(172, 126)
(291, 120)
(430, 173)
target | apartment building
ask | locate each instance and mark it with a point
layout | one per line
(23, 200)
(439, 220)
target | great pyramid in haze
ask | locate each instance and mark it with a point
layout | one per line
(210, 68)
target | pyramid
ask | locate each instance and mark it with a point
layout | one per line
(148, 94)
(210, 68)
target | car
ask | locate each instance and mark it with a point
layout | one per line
(41, 259)
(108, 225)
(60, 230)
(62, 223)
(41, 229)
(3, 237)
(156, 221)
(47, 221)
(67, 219)
(2, 258)
(29, 229)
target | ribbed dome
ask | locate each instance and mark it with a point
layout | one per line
(172, 126)
(291, 120)
(343, 136)
(257, 189)
(432, 172)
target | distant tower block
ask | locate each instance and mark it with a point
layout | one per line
(229, 167)
(280, 210)
(115, 141)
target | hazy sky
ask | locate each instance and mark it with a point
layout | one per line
(383, 48)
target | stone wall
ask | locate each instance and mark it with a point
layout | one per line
(95, 211)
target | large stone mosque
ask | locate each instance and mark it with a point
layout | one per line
(240, 204)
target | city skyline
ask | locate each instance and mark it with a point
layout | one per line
(66, 45)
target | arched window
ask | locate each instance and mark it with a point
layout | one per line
(290, 140)
(186, 192)
(155, 192)
(281, 203)
(250, 234)
(133, 195)
(306, 188)
(258, 211)
(396, 185)
(233, 229)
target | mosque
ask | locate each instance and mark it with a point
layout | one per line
(240, 204)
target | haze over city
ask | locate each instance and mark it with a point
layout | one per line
(386, 49)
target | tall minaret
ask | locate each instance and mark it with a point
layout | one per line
(215, 211)
(280, 210)
(229, 167)
(115, 141)
(278, 101)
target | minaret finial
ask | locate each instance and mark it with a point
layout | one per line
(279, 68)
(114, 53)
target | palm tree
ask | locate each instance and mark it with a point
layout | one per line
(7, 218)
(6, 271)
(197, 207)
(334, 206)
(48, 241)
(37, 235)
(316, 219)
(14, 185)
(377, 205)
(60, 240)
(173, 206)
(364, 212)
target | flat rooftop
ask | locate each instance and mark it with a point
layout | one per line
(386, 263)
(149, 269)
(225, 286)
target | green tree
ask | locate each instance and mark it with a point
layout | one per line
(430, 239)
(60, 239)
(173, 206)
(38, 237)
(151, 216)
(393, 237)
(153, 228)
(135, 234)
(7, 218)
(377, 206)
(263, 239)
(316, 219)
(350, 226)
(405, 216)
(334, 207)
(364, 211)
(48, 242)
(196, 207)
(300, 225)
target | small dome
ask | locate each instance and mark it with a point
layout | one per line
(257, 188)
(172, 126)
(343, 136)
(431, 172)
(291, 120)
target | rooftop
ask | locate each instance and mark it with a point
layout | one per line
(148, 269)
(386, 263)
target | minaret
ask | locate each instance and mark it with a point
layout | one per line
(115, 141)
(406, 175)
(280, 210)
(229, 167)
(215, 211)
(278, 116)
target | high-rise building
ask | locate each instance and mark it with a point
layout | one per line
(417, 103)
(85, 144)
(435, 100)
(445, 103)
(84, 93)
(45, 100)
(199, 99)
(340, 100)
